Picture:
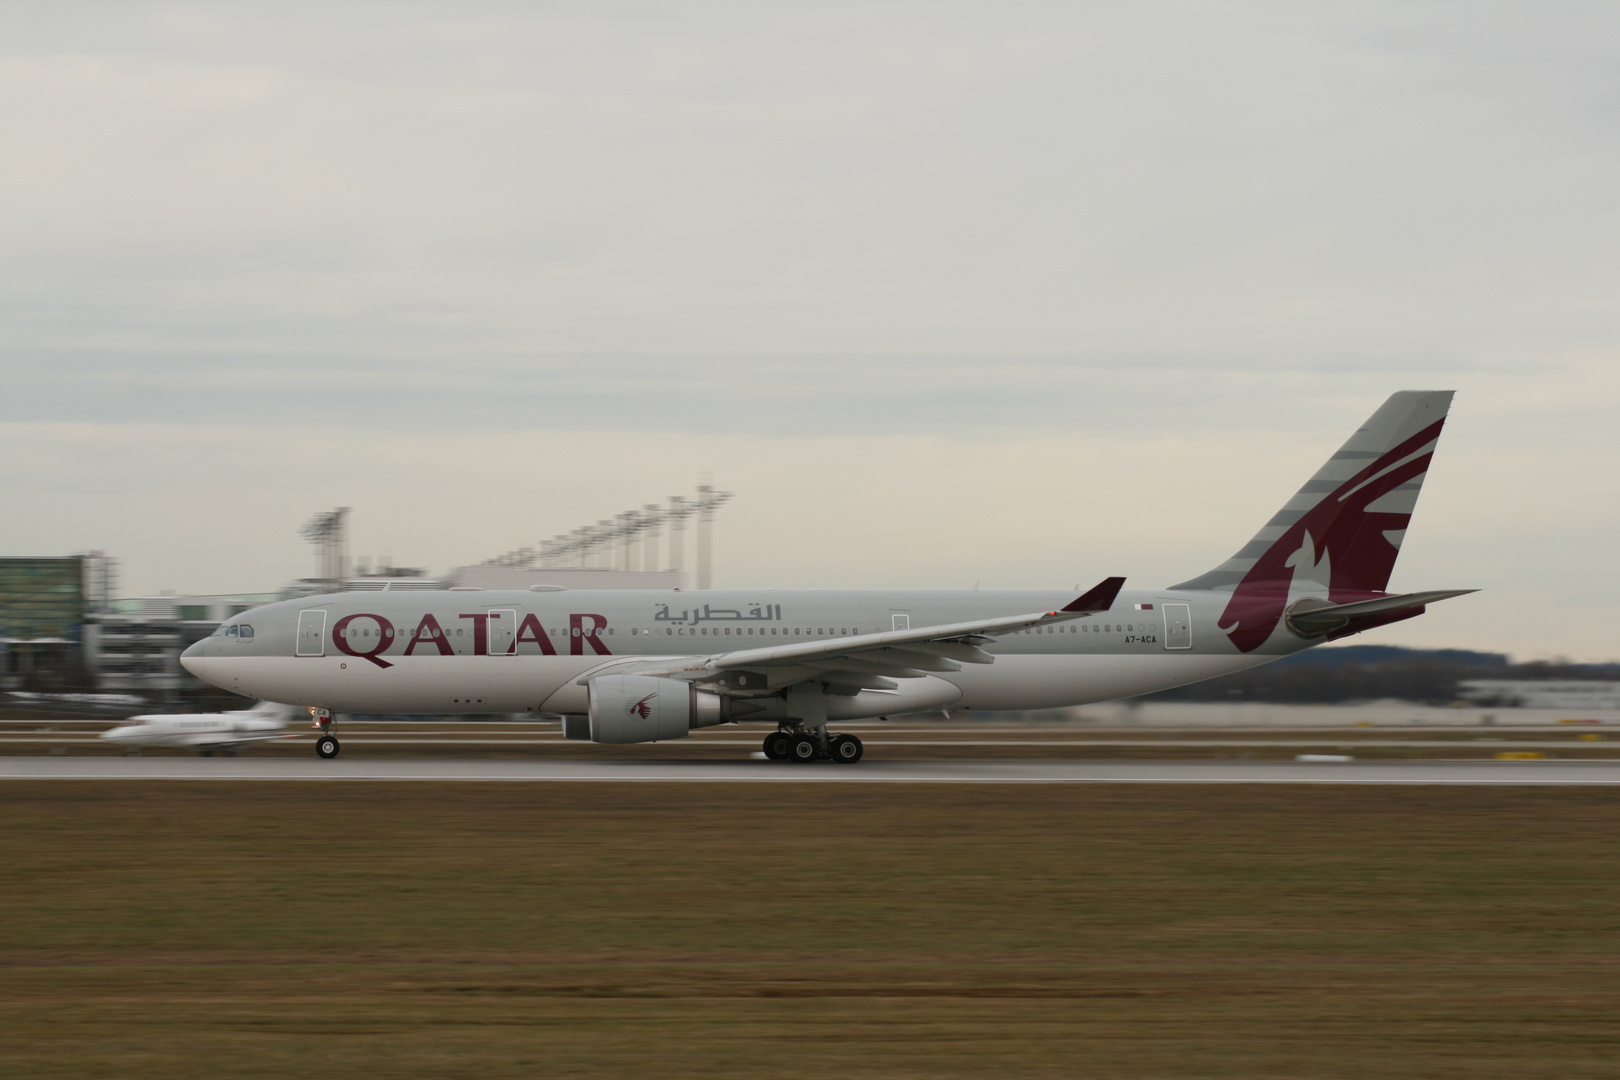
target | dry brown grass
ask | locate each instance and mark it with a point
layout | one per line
(494, 930)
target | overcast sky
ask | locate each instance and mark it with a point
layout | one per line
(1017, 294)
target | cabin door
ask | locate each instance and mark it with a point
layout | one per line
(311, 633)
(1177, 626)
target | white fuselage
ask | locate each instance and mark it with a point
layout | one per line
(475, 651)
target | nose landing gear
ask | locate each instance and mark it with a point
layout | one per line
(327, 745)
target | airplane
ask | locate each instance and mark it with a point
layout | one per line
(649, 666)
(206, 731)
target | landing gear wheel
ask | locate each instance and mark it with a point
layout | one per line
(327, 746)
(778, 744)
(846, 749)
(803, 748)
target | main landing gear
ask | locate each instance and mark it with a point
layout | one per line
(327, 745)
(808, 746)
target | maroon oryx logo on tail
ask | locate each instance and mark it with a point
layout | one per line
(641, 708)
(1346, 540)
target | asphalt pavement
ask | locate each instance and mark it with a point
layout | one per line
(760, 771)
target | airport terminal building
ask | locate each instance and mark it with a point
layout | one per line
(44, 604)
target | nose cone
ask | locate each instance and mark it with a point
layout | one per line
(200, 661)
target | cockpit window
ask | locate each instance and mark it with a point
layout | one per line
(230, 631)
(245, 632)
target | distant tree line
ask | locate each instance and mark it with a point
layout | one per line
(1365, 672)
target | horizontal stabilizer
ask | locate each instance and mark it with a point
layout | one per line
(1313, 618)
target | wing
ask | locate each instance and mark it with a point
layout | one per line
(870, 661)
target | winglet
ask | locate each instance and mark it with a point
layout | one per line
(1099, 597)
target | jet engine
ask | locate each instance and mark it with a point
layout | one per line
(640, 708)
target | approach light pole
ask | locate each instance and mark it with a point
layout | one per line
(709, 500)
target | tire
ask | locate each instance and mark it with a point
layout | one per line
(777, 745)
(327, 746)
(846, 749)
(803, 749)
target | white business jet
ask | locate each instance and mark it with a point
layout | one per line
(207, 732)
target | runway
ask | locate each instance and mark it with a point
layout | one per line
(759, 771)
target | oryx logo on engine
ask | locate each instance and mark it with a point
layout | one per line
(641, 708)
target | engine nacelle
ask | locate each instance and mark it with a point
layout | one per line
(640, 708)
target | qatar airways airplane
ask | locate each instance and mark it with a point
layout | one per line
(645, 666)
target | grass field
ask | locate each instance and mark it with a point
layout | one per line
(490, 930)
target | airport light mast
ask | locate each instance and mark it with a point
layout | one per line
(628, 541)
(329, 533)
(709, 500)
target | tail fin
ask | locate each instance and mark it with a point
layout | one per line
(1337, 538)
